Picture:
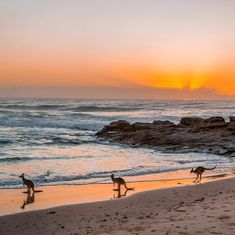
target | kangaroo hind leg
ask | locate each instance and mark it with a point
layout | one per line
(28, 190)
(196, 178)
(200, 177)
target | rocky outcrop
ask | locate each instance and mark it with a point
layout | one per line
(193, 134)
(232, 120)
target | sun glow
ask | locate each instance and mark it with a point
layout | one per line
(180, 82)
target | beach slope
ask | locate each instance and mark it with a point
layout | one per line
(206, 208)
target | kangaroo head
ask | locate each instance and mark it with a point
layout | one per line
(192, 170)
(112, 176)
(22, 176)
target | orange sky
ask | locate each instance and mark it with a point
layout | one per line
(160, 44)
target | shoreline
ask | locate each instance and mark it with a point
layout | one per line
(12, 200)
(191, 209)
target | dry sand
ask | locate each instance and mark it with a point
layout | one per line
(206, 208)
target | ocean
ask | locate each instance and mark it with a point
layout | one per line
(53, 141)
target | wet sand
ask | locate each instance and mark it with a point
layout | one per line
(206, 208)
(12, 200)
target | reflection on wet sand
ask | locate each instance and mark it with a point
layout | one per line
(53, 196)
(119, 195)
(29, 199)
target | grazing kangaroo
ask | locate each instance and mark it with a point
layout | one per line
(199, 171)
(28, 183)
(120, 181)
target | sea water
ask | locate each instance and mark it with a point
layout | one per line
(53, 141)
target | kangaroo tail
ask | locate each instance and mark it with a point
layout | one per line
(211, 168)
(127, 187)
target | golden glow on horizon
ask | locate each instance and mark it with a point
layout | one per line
(180, 82)
(72, 74)
(189, 72)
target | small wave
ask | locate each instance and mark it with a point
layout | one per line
(34, 115)
(62, 107)
(32, 107)
(63, 141)
(23, 159)
(91, 108)
(5, 142)
(136, 171)
(86, 138)
(52, 122)
(189, 161)
(14, 159)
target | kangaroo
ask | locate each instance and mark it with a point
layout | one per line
(120, 181)
(28, 183)
(199, 171)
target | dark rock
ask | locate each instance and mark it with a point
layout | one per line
(119, 126)
(163, 123)
(232, 120)
(215, 120)
(142, 126)
(191, 121)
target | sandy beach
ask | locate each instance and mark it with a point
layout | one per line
(167, 207)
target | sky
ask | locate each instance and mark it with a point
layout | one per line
(160, 49)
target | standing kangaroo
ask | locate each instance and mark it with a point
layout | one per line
(199, 171)
(120, 181)
(28, 183)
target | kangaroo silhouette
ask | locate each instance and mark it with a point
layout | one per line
(119, 181)
(28, 183)
(199, 171)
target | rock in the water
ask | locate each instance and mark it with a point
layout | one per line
(215, 120)
(193, 134)
(120, 125)
(190, 121)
